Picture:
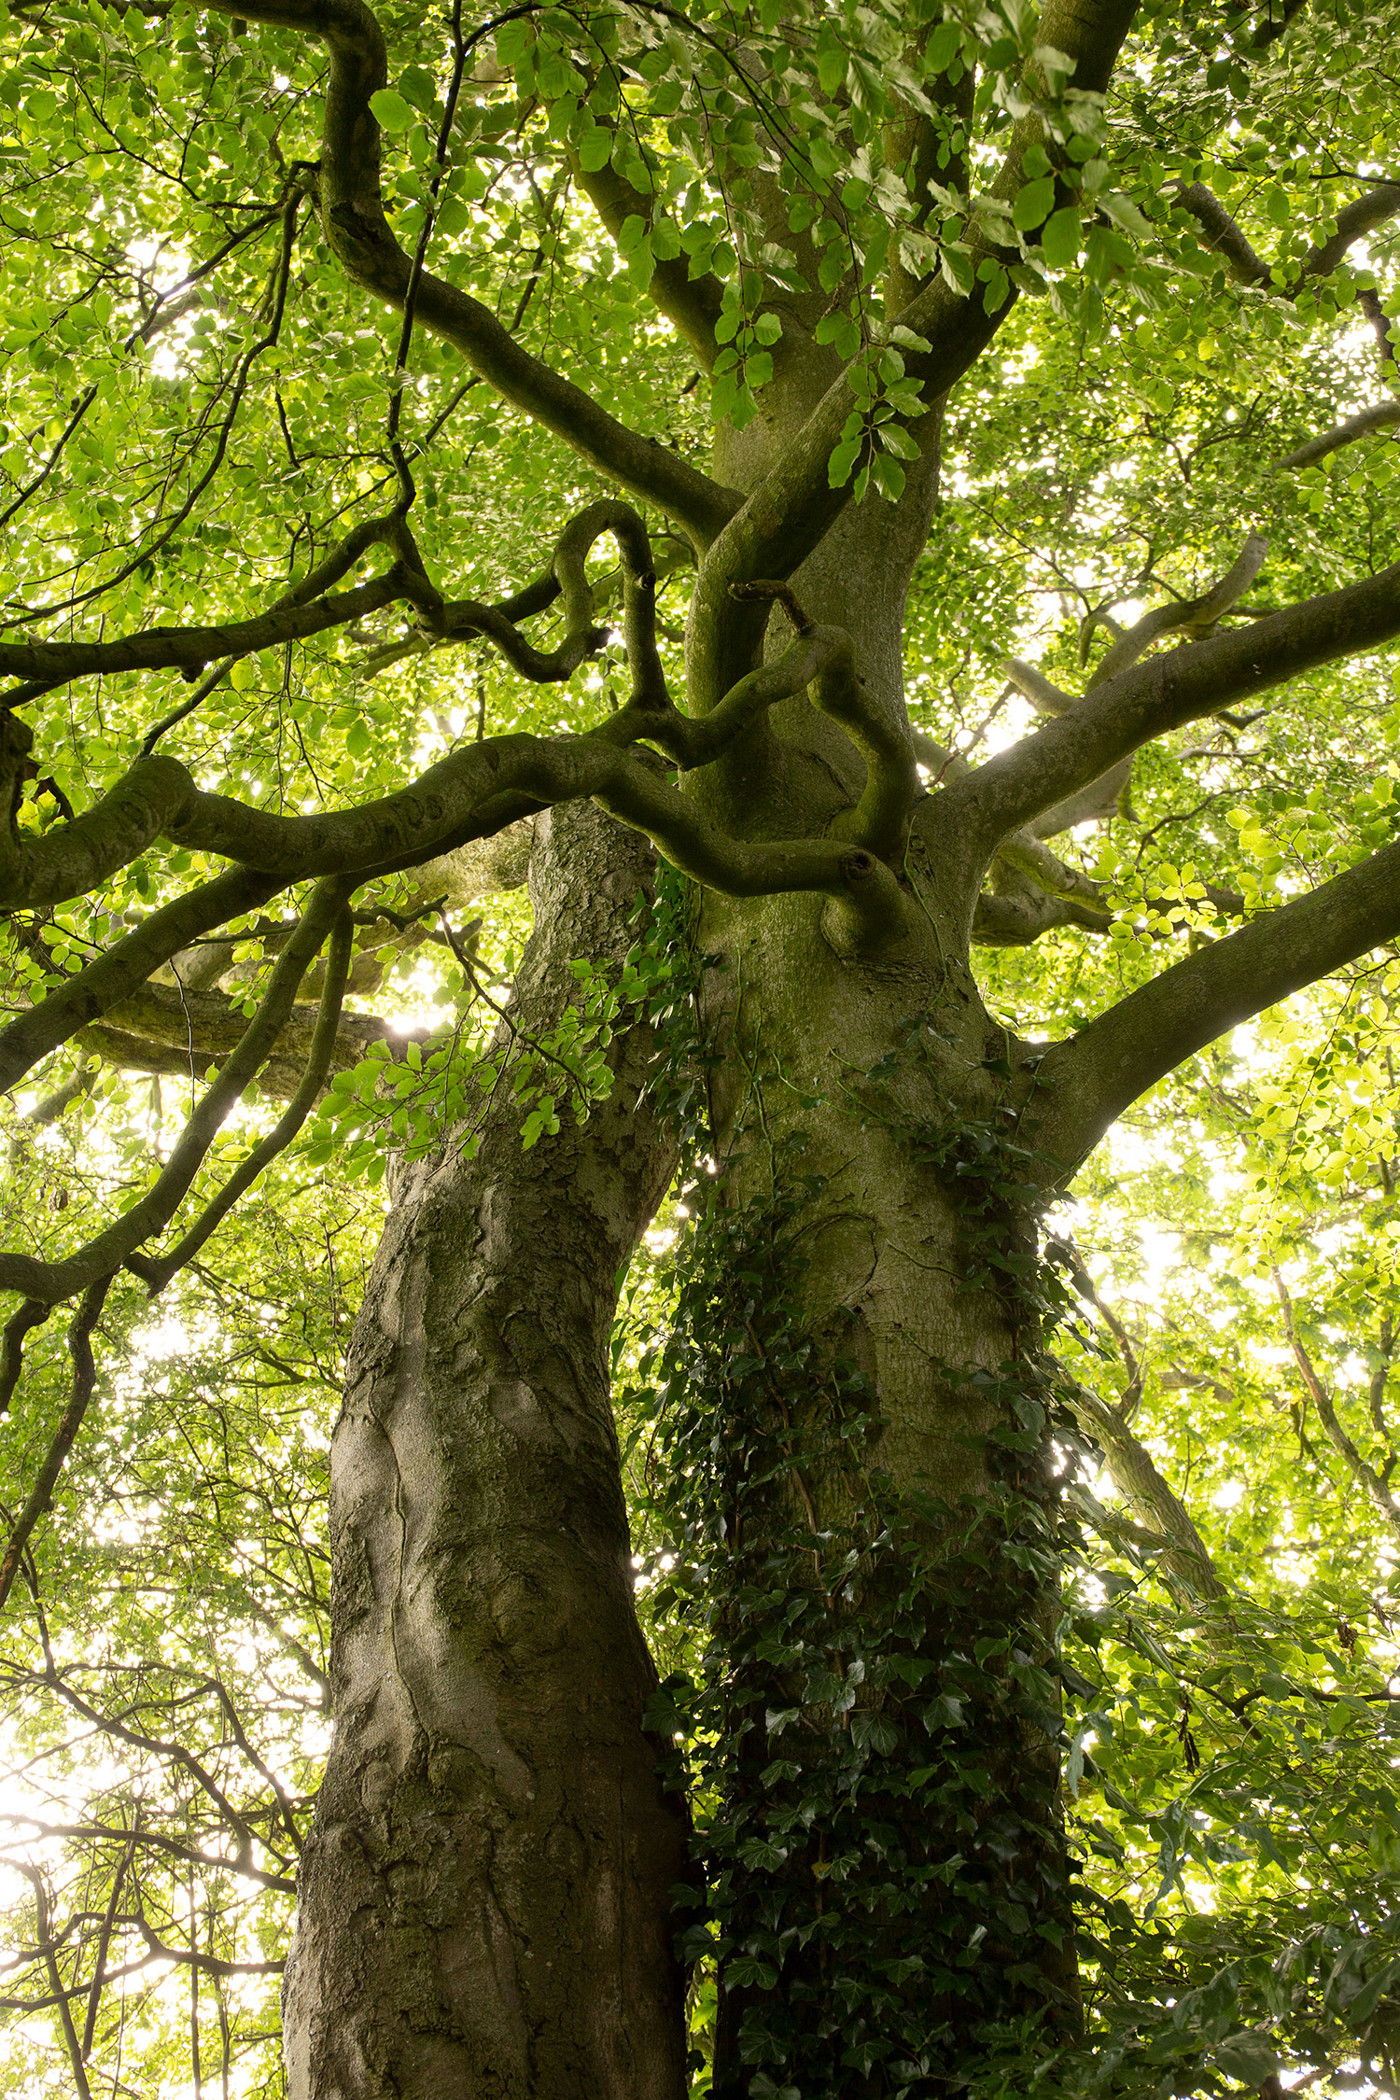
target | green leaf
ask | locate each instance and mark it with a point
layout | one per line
(1247, 2056)
(1059, 242)
(872, 1731)
(391, 112)
(889, 476)
(842, 461)
(894, 438)
(1033, 203)
(955, 265)
(823, 155)
(944, 45)
(1124, 213)
(513, 41)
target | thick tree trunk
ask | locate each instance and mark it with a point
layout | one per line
(484, 1908)
(887, 1093)
(906, 1260)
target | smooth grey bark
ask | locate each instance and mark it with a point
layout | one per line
(1171, 1535)
(484, 1905)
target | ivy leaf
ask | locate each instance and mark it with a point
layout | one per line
(874, 1732)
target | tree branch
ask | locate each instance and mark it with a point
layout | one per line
(1033, 890)
(1380, 417)
(157, 1840)
(1184, 1558)
(1245, 265)
(70, 1422)
(125, 967)
(191, 648)
(1365, 1476)
(61, 1996)
(157, 1273)
(1359, 217)
(183, 1031)
(52, 1281)
(1096, 1074)
(691, 305)
(794, 506)
(359, 234)
(971, 816)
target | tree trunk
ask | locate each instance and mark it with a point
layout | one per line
(905, 1257)
(484, 1907)
(887, 1103)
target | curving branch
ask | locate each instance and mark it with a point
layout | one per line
(1382, 416)
(794, 506)
(306, 610)
(157, 1272)
(360, 236)
(20, 1324)
(112, 1006)
(1225, 235)
(1374, 1484)
(125, 967)
(184, 1031)
(1195, 616)
(77, 857)
(191, 648)
(1360, 217)
(880, 820)
(1032, 890)
(974, 814)
(1244, 262)
(1096, 1074)
(1098, 799)
(477, 789)
(1016, 912)
(70, 1422)
(1246, 266)
(103, 1255)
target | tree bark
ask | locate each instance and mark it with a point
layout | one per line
(902, 1279)
(484, 1907)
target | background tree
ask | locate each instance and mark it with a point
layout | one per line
(1057, 334)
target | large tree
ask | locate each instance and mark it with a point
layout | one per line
(807, 318)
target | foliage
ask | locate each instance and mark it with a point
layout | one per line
(197, 403)
(851, 1676)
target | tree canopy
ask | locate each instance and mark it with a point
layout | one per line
(370, 387)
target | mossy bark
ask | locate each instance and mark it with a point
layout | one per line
(883, 1084)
